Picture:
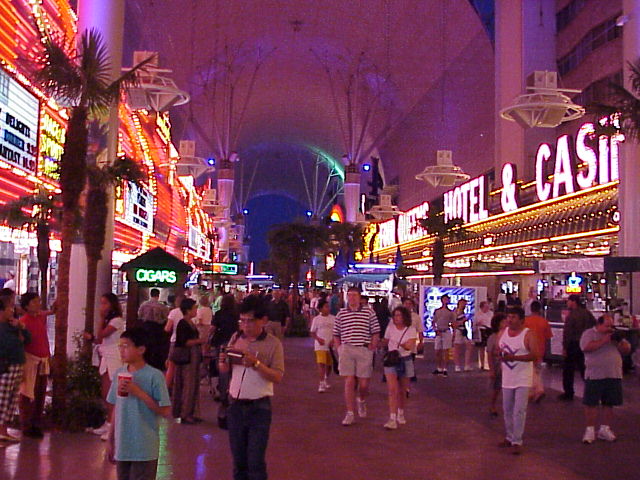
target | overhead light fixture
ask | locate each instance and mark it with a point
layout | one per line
(444, 173)
(154, 89)
(385, 210)
(544, 104)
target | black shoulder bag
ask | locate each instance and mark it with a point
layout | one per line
(392, 357)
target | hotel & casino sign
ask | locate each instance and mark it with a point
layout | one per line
(568, 167)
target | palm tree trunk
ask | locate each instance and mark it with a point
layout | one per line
(437, 254)
(73, 169)
(92, 279)
(44, 253)
(62, 311)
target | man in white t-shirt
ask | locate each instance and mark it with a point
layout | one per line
(481, 331)
(173, 319)
(204, 317)
(322, 332)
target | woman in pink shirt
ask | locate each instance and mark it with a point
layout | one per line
(37, 368)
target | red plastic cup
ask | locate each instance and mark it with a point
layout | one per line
(123, 379)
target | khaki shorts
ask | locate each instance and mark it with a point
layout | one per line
(444, 340)
(355, 361)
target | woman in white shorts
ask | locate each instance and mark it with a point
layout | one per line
(107, 340)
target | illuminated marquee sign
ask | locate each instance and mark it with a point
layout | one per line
(19, 111)
(144, 275)
(601, 166)
(468, 201)
(52, 136)
(408, 228)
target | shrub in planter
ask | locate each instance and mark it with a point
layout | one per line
(84, 406)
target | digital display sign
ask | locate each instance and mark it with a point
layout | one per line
(134, 205)
(224, 268)
(430, 302)
(19, 111)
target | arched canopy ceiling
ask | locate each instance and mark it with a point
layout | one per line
(406, 46)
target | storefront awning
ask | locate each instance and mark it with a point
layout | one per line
(156, 258)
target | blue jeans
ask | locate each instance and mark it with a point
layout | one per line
(514, 406)
(249, 424)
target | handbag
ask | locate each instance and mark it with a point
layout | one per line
(392, 357)
(180, 355)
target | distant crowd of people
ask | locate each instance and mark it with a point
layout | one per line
(155, 368)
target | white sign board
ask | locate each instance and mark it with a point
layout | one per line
(19, 113)
(568, 265)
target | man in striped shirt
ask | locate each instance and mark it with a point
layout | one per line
(356, 334)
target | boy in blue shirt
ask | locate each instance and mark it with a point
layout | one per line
(139, 393)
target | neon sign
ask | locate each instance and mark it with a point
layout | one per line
(224, 268)
(52, 137)
(408, 228)
(467, 201)
(601, 167)
(156, 276)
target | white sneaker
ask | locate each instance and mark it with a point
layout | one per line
(349, 418)
(391, 424)
(458, 369)
(104, 428)
(605, 433)
(401, 420)
(326, 385)
(362, 408)
(321, 388)
(589, 435)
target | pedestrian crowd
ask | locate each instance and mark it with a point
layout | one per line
(155, 368)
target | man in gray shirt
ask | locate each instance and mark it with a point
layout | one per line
(443, 318)
(603, 376)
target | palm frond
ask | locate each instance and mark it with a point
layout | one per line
(129, 78)
(126, 169)
(95, 66)
(13, 214)
(58, 74)
(635, 76)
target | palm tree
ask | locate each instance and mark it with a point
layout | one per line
(624, 105)
(80, 78)
(100, 179)
(291, 244)
(346, 238)
(442, 232)
(35, 212)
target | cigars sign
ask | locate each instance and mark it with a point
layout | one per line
(568, 166)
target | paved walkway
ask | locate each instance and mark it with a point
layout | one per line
(449, 436)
